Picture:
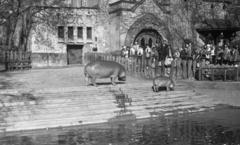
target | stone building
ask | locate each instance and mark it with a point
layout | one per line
(107, 25)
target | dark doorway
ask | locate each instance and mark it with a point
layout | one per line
(75, 54)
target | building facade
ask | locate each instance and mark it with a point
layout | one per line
(107, 25)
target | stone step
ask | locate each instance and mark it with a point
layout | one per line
(54, 107)
(91, 110)
(84, 99)
(10, 99)
(96, 112)
(126, 91)
(89, 120)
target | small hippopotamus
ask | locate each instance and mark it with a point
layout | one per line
(104, 69)
(163, 81)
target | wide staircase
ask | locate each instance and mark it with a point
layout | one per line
(53, 108)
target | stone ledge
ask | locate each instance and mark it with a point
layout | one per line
(43, 60)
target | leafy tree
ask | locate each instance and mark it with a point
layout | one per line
(20, 17)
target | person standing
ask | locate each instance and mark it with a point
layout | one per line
(238, 48)
(139, 53)
(213, 56)
(178, 63)
(235, 55)
(189, 61)
(148, 53)
(132, 51)
(164, 52)
(219, 55)
(195, 57)
(158, 49)
(184, 57)
(124, 52)
(154, 63)
(136, 47)
(226, 55)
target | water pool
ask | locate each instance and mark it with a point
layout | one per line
(218, 127)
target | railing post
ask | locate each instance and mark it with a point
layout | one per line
(237, 73)
(143, 66)
(128, 65)
(225, 73)
(156, 68)
(133, 66)
(200, 71)
(213, 74)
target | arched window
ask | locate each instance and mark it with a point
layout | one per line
(150, 42)
(142, 42)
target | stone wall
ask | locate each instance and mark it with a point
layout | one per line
(42, 60)
(50, 51)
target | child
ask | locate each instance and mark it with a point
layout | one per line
(235, 56)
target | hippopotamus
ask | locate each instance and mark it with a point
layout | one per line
(163, 81)
(104, 69)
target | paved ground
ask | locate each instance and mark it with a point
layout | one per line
(52, 78)
(226, 92)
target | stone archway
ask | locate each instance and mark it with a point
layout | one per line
(148, 37)
(148, 22)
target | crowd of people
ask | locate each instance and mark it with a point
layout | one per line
(155, 53)
(189, 57)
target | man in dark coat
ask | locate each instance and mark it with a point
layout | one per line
(184, 57)
(164, 52)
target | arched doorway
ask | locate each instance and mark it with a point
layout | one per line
(143, 27)
(148, 37)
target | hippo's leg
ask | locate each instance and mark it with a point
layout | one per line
(90, 81)
(113, 80)
(168, 88)
(155, 88)
(94, 81)
(86, 80)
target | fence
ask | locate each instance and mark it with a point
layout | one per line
(14, 60)
(143, 67)
(226, 73)
(133, 65)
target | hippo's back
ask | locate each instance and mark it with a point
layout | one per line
(102, 68)
(103, 64)
(161, 81)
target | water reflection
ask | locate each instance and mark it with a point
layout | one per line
(200, 129)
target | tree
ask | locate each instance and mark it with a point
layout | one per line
(20, 17)
(222, 14)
